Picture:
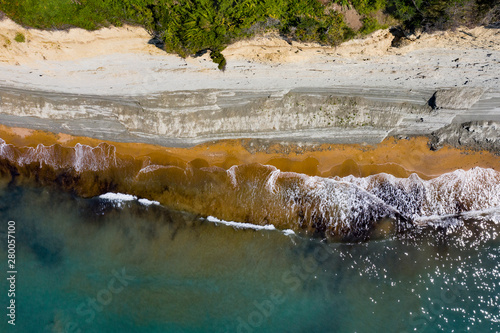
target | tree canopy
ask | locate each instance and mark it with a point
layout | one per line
(187, 27)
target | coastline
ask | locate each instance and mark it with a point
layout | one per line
(185, 134)
(303, 189)
(322, 160)
(368, 195)
(360, 92)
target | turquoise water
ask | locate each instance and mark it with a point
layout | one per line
(88, 265)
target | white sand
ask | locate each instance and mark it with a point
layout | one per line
(119, 61)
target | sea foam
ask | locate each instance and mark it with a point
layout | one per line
(348, 207)
(241, 225)
(118, 199)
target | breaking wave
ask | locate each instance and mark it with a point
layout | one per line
(348, 208)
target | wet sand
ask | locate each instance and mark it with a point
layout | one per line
(398, 157)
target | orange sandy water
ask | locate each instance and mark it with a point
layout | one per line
(234, 181)
(398, 157)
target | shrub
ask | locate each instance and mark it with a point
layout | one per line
(20, 38)
(370, 24)
(219, 59)
(366, 7)
(439, 14)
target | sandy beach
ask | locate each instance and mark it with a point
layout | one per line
(111, 84)
(79, 61)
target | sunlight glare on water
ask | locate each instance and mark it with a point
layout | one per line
(94, 266)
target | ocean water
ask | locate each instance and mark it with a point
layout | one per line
(98, 265)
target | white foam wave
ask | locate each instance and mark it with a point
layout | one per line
(151, 168)
(352, 204)
(155, 167)
(7, 151)
(492, 214)
(99, 158)
(81, 157)
(147, 202)
(452, 193)
(271, 181)
(118, 199)
(240, 225)
(231, 172)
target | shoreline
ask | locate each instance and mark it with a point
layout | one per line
(295, 174)
(360, 92)
(340, 192)
(307, 116)
(322, 160)
(363, 92)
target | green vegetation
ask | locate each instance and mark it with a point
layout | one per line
(7, 42)
(20, 38)
(48, 14)
(366, 7)
(189, 27)
(370, 24)
(443, 14)
(197, 25)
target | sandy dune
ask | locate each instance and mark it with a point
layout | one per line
(273, 49)
(70, 44)
(119, 61)
(112, 82)
(77, 43)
